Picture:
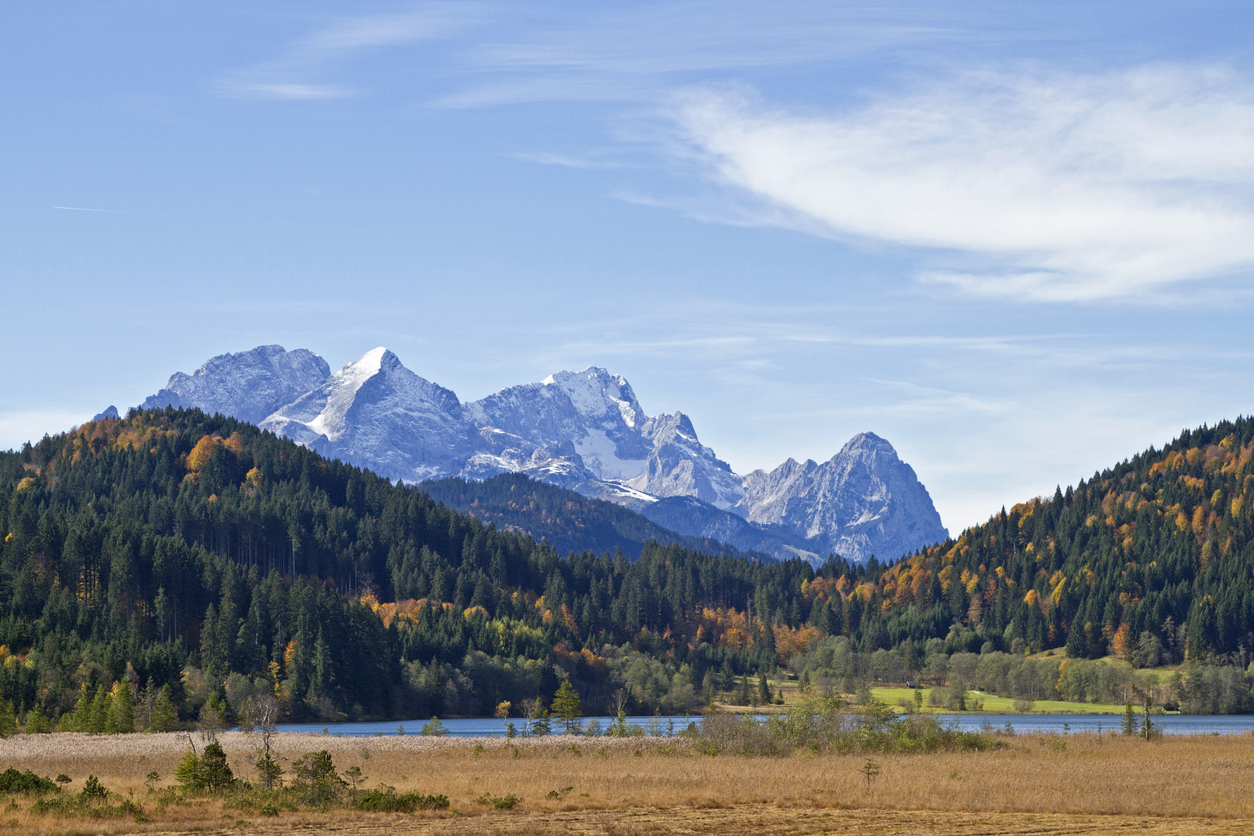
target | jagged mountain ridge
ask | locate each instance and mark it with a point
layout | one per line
(584, 431)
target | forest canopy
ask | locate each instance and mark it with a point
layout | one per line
(197, 561)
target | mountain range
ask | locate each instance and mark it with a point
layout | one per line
(584, 431)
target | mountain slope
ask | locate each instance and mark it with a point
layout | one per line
(585, 431)
(249, 385)
(378, 414)
(1153, 558)
(566, 520)
(863, 501)
(200, 553)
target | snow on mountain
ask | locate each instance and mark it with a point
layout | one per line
(680, 465)
(376, 413)
(584, 431)
(863, 501)
(248, 385)
(590, 417)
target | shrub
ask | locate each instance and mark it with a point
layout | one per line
(316, 782)
(386, 800)
(210, 772)
(27, 783)
(93, 789)
(500, 802)
(823, 724)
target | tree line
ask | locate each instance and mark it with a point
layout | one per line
(200, 557)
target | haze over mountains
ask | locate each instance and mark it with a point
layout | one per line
(584, 431)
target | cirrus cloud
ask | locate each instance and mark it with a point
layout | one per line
(1045, 187)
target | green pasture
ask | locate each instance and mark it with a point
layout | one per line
(996, 705)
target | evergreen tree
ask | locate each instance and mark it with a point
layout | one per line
(124, 708)
(98, 711)
(566, 706)
(37, 721)
(540, 723)
(164, 713)
(8, 719)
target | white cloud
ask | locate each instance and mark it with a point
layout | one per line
(288, 77)
(1058, 187)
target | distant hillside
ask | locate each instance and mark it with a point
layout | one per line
(584, 431)
(566, 520)
(176, 549)
(1153, 558)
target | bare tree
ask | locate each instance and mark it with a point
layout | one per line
(261, 714)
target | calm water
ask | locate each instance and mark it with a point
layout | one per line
(1021, 723)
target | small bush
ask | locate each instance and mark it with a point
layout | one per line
(823, 724)
(500, 802)
(385, 799)
(93, 789)
(316, 782)
(27, 783)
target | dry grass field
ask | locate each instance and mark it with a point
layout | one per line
(1037, 784)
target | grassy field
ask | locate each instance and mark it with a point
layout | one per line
(1037, 784)
(994, 704)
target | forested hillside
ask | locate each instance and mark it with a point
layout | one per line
(176, 549)
(1151, 560)
(568, 521)
(200, 557)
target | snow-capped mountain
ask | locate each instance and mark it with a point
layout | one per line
(854, 503)
(580, 430)
(248, 386)
(378, 414)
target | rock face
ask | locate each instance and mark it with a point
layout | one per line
(580, 430)
(249, 385)
(378, 414)
(863, 501)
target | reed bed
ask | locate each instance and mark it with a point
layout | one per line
(662, 785)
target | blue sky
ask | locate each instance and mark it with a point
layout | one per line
(1015, 241)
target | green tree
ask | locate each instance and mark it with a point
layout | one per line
(8, 719)
(1130, 723)
(98, 714)
(124, 708)
(540, 720)
(37, 721)
(566, 706)
(434, 728)
(165, 716)
(215, 771)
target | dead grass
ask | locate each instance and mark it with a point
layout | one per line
(635, 786)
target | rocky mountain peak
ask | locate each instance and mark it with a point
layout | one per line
(583, 430)
(595, 393)
(249, 385)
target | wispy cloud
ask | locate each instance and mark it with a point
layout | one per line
(86, 209)
(298, 73)
(581, 161)
(1044, 187)
(635, 52)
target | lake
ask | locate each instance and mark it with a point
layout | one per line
(1021, 723)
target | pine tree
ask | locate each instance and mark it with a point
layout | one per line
(8, 719)
(540, 725)
(98, 716)
(165, 716)
(124, 708)
(566, 706)
(37, 721)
